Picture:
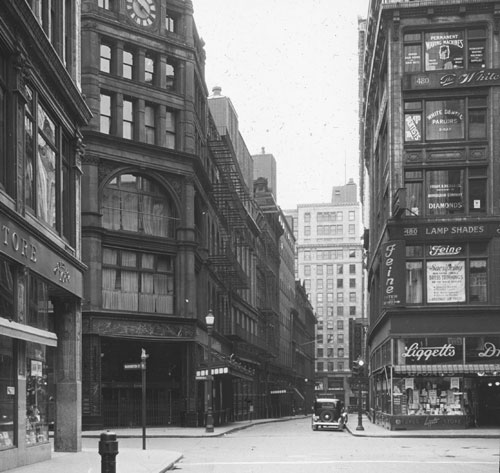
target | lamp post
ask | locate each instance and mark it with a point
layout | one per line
(209, 320)
(360, 396)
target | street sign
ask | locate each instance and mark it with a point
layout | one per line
(132, 366)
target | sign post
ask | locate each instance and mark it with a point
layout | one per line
(144, 357)
(141, 366)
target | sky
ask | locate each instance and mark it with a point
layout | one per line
(290, 69)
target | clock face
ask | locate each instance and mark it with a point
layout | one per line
(143, 12)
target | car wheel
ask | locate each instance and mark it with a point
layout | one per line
(326, 415)
(315, 427)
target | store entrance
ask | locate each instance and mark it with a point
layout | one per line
(489, 402)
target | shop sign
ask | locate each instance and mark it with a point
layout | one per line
(444, 230)
(19, 245)
(451, 80)
(444, 250)
(429, 422)
(393, 286)
(445, 281)
(482, 349)
(437, 351)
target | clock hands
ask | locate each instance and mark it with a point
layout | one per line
(144, 6)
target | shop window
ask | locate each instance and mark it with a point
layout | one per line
(38, 304)
(134, 203)
(445, 49)
(38, 394)
(440, 277)
(136, 281)
(443, 192)
(7, 285)
(8, 421)
(445, 119)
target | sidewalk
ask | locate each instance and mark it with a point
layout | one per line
(159, 461)
(133, 460)
(372, 430)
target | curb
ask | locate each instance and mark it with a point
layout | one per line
(424, 435)
(172, 464)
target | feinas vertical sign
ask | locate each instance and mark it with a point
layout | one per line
(392, 273)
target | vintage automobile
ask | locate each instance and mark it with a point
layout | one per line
(328, 413)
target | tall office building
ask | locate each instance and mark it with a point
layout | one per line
(329, 260)
(430, 110)
(42, 112)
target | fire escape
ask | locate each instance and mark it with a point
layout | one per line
(230, 195)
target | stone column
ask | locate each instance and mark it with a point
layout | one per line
(68, 375)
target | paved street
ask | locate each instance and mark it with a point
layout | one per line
(293, 447)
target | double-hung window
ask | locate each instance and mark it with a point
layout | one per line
(445, 49)
(128, 64)
(446, 191)
(48, 165)
(447, 274)
(446, 119)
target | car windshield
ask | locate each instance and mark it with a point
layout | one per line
(325, 404)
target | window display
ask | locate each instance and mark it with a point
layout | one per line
(428, 396)
(37, 395)
(7, 393)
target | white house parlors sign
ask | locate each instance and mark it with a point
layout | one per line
(393, 273)
(451, 80)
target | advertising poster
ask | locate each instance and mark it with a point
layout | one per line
(444, 50)
(413, 127)
(445, 281)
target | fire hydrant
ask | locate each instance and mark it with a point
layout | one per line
(108, 449)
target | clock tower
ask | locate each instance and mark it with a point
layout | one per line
(142, 75)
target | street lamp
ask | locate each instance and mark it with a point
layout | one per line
(209, 320)
(360, 364)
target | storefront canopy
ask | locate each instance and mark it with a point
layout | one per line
(27, 333)
(473, 368)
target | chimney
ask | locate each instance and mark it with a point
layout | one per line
(217, 90)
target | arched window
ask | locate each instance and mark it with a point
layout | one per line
(134, 203)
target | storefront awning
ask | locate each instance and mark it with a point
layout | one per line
(228, 369)
(479, 369)
(27, 333)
